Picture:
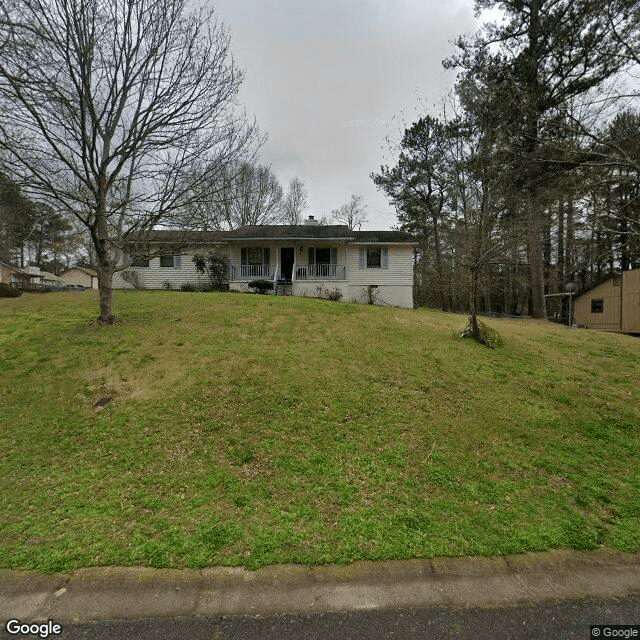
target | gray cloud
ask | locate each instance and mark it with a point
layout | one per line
(326, 79)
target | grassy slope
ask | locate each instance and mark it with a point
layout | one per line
(252, 430)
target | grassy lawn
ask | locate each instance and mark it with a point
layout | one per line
(249, 430)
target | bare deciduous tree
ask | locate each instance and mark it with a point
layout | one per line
(353, 213)
(296, 202)
(252, 195)
(244, 194)
(116, 111)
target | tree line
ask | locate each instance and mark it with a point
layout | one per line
(530, 175)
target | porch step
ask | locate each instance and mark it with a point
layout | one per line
(283, 288)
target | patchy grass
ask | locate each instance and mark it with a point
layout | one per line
(248, 430)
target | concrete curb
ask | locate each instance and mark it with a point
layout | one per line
(112, 593)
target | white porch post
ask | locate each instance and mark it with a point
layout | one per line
(277, 269)
(345, 262)
(295, 264)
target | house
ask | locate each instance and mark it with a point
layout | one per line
(611, 304)
(301, 260)
(48, 279)
(25, 278)
(168, 265)
(82, 276)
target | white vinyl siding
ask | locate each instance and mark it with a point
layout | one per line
(154, 276)
(246, 254)
(394, 276)
(396, 266)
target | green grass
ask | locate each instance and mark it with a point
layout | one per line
(249, 430)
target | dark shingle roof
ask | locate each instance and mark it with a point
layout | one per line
(317, 231)
(178, 236)
(290, 231)
(272, 231)
(382, 236)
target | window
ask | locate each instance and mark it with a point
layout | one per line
(597, 306)
(166, 261)
(374, 258)
(254, 255)
(254, 262)
(140, 262)
(323, 255)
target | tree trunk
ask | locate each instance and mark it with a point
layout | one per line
(487, 300)
(105, 277)
(536, 258)
(473, 320)
(106, 264)
(436, 241)
(423, 292)
(546, 231)
(561, 272)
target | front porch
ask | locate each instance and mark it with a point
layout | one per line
(302, 272)
(320, 272)
(250, 272)
(286, 264)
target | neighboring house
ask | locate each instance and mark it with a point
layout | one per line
(610, 304)
(26, 278)
(301, 260)
(82, 276)
(50, 280)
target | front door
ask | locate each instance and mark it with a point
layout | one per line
(287, 256)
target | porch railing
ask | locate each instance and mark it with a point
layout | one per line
(320, 272)
(26, 286)
(240, 271)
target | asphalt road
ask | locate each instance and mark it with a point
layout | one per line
(568, 619)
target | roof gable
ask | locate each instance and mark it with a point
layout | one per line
(89, 272)
(596, 283)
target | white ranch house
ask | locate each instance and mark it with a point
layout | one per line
(301, 260)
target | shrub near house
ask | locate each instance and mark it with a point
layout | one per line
(7, 291)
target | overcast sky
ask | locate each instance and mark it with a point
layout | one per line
(329, 80)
